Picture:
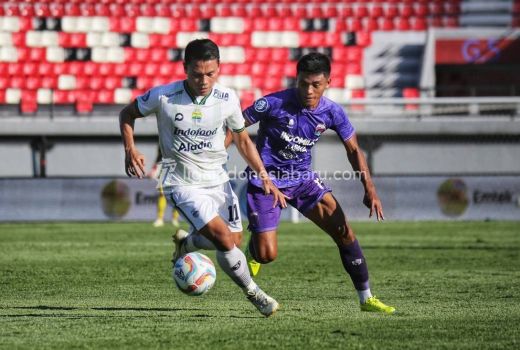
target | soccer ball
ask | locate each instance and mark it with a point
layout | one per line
(194, 273)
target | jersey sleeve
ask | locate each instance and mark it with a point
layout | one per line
(258, 111)
(341, 124)
(149, 101)
(235, 121)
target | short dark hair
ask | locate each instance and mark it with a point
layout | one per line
(314, 63)
(201, 50)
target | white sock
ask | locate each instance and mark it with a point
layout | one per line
(364, 295)
(234, 264)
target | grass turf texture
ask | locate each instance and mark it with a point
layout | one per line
(455, 286)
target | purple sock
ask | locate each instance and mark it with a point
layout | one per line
(355, 264)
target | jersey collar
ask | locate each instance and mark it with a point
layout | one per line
(192, 96)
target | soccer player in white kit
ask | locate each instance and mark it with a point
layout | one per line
(192, 116)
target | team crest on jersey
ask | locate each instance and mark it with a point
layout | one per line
(291, 123)
(220, 95)
(261, 105)
(196, 116)
(146, 96)
(320, 128)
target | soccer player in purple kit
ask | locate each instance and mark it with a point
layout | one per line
(290, 123)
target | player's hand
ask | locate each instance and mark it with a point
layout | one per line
(279, 197)
(134, 164)
(372, 202)
(153, 172)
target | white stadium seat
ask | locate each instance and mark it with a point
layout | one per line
(44, 96)
(66, 82)
(55, 54)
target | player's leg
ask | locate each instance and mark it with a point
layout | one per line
(329, 216)
(161, 207)
(214, 215)
(175, 217)
(233, 261)
(262, 247)
(229, 211)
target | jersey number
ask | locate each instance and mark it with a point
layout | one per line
(233, 213)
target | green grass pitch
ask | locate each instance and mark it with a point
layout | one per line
(455, 285)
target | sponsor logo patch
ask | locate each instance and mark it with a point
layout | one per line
(320, 128)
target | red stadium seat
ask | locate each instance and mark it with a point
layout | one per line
(104, 97)
(407, 10)
(387, 24)
(238, 10)
(275, 24)
(354, 54)
(391, 12)
(26, 10)
(132, 10)
(419, 23)
(18, 82)
(346, 12)
(42, 10)
(403, 24)
(5, 82)
(49, 82)
(285, 11)
(371, 24)
(437, 9)
(82, 83)
(84, 101)
(300, 12)
(361, 11)
(270, 11)
(254, 11)
(28, 102)
(224, 10)
(422, 10)
(26, 24)
(87, 10)
(317, 12)
(148, 10)
(376, 11)
(63, 97)
(163, 10)
(451, 21)
(102, 10)
(452, 9)
(96, 83)
(354, 24)
(111, 83)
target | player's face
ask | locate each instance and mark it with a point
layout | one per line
(201, 76)
(311, 87)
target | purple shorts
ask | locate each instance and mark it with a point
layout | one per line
(263, 217)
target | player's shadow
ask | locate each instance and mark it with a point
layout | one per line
(108, 308)
(68, 308)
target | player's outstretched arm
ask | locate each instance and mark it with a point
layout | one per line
(248, 151)
(359, 164)
(134, 160)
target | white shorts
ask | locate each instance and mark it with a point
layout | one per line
(201, 205)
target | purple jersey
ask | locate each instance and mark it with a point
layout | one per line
(288, 131)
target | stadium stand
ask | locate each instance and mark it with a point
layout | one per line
(86, 54)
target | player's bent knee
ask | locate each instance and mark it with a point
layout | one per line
(266, 258)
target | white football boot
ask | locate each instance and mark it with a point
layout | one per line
(263, 302)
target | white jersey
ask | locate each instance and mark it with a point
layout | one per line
(192, 132)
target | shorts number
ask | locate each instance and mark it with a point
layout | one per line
(233, 213)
